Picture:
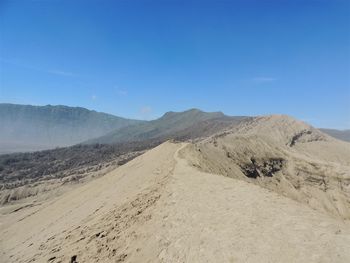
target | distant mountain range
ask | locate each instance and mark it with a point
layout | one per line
(188, 124)
(339, 134)
(29, 128)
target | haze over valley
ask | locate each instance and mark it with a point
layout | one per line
(29, 128)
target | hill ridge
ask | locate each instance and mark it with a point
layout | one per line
(27, 127)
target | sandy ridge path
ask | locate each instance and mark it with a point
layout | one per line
(211, 218)
(157, 208)
(70, 225)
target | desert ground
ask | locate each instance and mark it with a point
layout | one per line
(159, 207)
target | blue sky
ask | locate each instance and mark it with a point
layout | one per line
(139, 59)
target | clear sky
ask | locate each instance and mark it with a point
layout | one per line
(139, 59)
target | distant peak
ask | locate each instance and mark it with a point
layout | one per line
(169, 113)
(192, 111)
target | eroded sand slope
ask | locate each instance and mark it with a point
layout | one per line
(157, 208)
(284, 155)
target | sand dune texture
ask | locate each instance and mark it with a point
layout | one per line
(160, 207)
(284, 155)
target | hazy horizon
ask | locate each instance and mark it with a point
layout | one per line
(161, 114)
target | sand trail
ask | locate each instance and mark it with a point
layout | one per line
(157, 208)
